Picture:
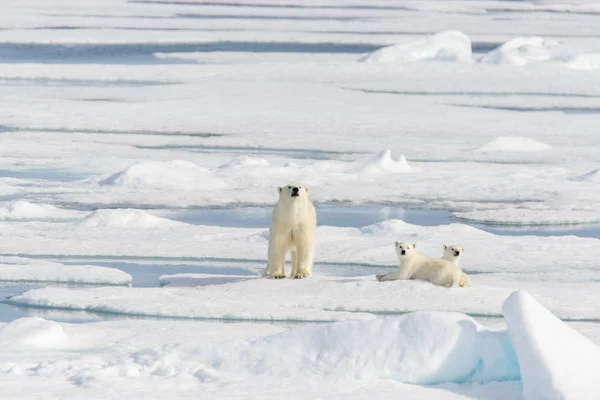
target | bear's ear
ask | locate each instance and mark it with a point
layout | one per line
(445, 246)
(414, 245)
(462, 249)
(396, 243)
(307, 189)
(279, 189)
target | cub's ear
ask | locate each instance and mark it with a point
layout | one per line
(307, 189)
(462, 249)
(445, 246)
(280, 189)
(414, 245)
(396, 243)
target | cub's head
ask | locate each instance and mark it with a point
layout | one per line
(452, 252)
(404, 249)
(293, 192)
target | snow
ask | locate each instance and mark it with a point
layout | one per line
(591, 176)
(174, 174)
(556, 362)
(381, 163)
(18, 269)
(443, 46)
(125, 218)
(119, 117)
(25, 210)
(584, 61)
(520, 51)
(514, 143)
(36, 333)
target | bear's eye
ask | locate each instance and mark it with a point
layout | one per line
(289, 187)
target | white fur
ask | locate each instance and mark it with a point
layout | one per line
(453, 253)
(414, 265)
(292, 229)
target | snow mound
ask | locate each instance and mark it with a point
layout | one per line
(383, 162)
(22, 209)
(513, 144)
(445, 46)
(246, 161)
(592, 176)
(584, 61)
(16, 269)
(34, 332)
(520, 51)
(126, 218)
(175, 174)
(556, 362)
(421, 348)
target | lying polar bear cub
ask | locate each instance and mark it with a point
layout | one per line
(292, 229)
(414, 265)
(453, 253)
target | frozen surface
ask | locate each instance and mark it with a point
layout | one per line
(443, 46)
(556, 362)
(17, 269)
(120, 120)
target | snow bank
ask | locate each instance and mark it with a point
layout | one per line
(126, 218)
(513, 144)
(27, 270)
(445, 46)
(22, 210)
(321, 298)
(175, 174)
(520, 51)
(33, 332)
(421, 348)
(556, 362)
(584, 61)
(592, 176)
(246, 161)
(383, 162)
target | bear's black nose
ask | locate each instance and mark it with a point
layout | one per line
(295, 189)
(403, 252)
(456, 253)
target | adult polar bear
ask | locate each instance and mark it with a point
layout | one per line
(414, 265)
(292, 229)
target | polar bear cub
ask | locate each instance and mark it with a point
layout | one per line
(453, 253)
(293, 225)
(414, 265)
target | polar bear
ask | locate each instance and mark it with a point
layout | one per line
(414, 265)
(292, 229)
(453, 253)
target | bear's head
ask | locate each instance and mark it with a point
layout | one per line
(452, 252)
(293, 192)
(404, 249)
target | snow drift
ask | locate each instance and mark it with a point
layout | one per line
(513, 144)
(34, 332)
(23, 210)
(382, 162)
(556, 362)
(175, 174)
(444, 46)
(520, 51)
(126, 218)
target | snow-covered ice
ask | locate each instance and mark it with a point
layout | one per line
(443, 46)
(18, 269)
(129, 128)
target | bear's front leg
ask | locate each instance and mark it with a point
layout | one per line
(276, 259)
(305, 260)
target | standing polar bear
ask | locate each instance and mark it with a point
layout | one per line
(292, 229)
(414, 265)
